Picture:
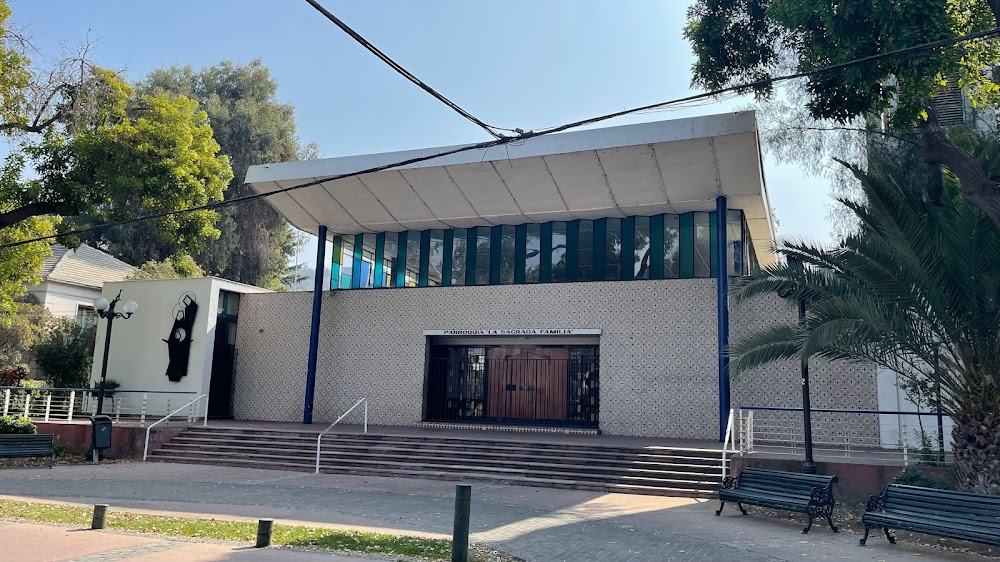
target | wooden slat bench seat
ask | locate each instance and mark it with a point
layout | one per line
(21, 445)
(957, 515)
(811, 494)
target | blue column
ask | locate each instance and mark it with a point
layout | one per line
(307, 410)
(722, 285)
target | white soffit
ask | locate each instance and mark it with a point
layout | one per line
(673, 166)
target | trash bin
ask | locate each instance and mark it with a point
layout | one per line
(101, 435)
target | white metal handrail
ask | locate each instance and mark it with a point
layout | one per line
(729, 439)
(319, 438)
(145, 448)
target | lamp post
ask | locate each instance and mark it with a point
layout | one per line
(809, 466)
(107, 311)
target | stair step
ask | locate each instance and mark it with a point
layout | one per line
(709, 456)
(703, 490)
(526, 453)
(656, 470)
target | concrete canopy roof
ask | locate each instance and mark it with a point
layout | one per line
(673, 166)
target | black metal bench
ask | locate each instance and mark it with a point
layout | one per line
(811, 494)
(21, 445)
(958, 515)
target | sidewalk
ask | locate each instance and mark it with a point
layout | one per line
(27, 542)
(539, 525)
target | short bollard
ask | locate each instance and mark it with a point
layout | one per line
(460, 534)
(264, 533)
(100, 516)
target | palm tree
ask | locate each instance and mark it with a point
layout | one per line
(917, 290)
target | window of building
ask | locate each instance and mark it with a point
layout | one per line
(641, 249)
(347, 261)
(586, 252)
(734, 243)
(86, 315)
(390, 255)
(558, 251)
(671, 246)
(533, 252)
(412, 259)
(702, 245)
(613, 250)
(507, 247)
(367, 260)
(435, 260)
(483, 255)
(459, 256)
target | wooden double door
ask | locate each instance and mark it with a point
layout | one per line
(527, 383)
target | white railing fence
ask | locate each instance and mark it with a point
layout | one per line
(728, 441)
(67, 404)
(881, 437)
(191, 404)
(319, 438)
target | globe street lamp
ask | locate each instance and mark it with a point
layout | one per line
(107, 311)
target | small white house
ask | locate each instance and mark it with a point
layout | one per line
(72, 280)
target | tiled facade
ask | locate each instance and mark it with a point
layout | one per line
(658, 351)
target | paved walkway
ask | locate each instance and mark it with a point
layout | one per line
(539, 525)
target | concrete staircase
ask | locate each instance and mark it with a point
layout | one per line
(665, 471)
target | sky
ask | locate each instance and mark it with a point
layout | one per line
(516, 64)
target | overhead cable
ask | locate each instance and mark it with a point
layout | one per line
(528, 134)
(402, 71)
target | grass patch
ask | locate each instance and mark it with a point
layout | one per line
(242, 531)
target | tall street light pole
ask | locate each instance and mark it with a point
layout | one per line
(809, 466)
(107, 311)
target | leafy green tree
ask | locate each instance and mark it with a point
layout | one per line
(21, 331)
(178, 266)
(747, 41)
(916, 290)
(65, 353)
(84, 146)
(252, 127)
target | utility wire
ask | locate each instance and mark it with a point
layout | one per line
(527, 135)
(402, 71)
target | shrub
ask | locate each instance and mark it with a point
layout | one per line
(64, 354)
(13, 375)
(17, 425)
(912, 476)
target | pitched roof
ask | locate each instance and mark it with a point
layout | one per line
(85, 266)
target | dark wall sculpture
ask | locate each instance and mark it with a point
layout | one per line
(179, 341)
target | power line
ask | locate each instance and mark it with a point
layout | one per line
(402, 71)
(528, 135)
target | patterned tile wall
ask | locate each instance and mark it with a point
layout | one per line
(658, 351)
(837, 384)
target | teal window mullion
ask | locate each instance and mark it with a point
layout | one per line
(425, 253)
(449, 242)
(496, 247)
(628, 249)
(379, 258)
(359, 250)
(338, 249)
(573, 251)
(656, 247)
(687, 245)
(713, 243)
(520, 251)
(470, 256)
(400, 272)
(600, 248)
(545, 263)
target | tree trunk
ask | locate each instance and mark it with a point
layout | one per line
(976, 438)
(977, 186)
